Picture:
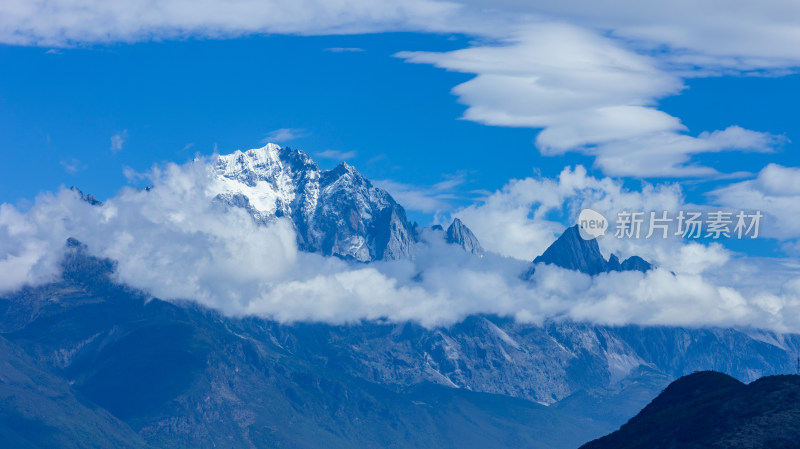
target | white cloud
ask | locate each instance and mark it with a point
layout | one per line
(434, 198)
(133, 176)
(284, 135)
(590, 94)
(118, 140)
(25, 256)
(345, 49)
(336, 155)
(72, 165)
(524, 217)
(776, 193)
(174, 242)
(778, 180)
(65, 22)
(669, 153)
(740, 34)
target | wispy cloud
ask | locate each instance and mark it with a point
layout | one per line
(284, 135)
(118, 140)
(336, 155)
(434, 198)
(72, 165)
(344, 49)
(134, 176)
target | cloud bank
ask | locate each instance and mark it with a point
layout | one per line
(68, 22)
(175, 242)
(739, 35)
(742, 35)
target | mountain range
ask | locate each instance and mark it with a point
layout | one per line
(340, 213)
(88, 362)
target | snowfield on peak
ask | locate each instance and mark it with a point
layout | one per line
(335, 212)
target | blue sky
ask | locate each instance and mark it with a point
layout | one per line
(78, 109)
(398, 118)
(173, 99)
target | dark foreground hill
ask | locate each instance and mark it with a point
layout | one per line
(713, 410)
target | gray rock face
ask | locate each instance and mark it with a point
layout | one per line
(459, 234)
(546, 363)
(635, 263)
(335, 212)
(574, 253)
(88, 198)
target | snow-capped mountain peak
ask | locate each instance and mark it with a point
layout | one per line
(269, 178)
(335, 212)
